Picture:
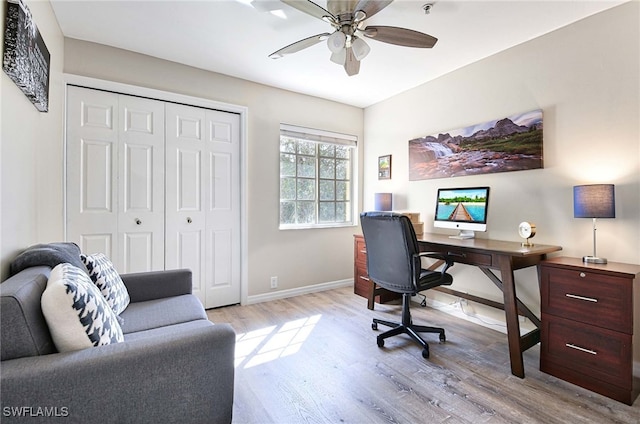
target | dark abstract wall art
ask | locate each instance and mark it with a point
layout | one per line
(26, 59)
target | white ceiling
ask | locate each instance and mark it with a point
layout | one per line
(234, 37)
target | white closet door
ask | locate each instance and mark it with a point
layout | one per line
(185, 217)
(141, 185)
(115, 177)
(92, 152)
(222, 209)
(203, 201)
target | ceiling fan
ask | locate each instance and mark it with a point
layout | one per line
(346, 44)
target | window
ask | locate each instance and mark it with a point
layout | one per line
(316, 178)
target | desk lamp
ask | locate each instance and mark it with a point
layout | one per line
(594, 201)
(382, 201)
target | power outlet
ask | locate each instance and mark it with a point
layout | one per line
(274, 282)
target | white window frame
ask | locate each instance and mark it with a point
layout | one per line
(322, 136)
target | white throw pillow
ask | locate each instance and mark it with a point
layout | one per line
(76, 313)
(104, 275)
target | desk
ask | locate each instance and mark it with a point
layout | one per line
(505, 256)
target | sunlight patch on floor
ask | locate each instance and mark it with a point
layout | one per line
(273, 342)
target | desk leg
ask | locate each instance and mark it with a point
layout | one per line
(511, 313)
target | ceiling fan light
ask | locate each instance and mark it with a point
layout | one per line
(339, 57)
(336, 41)
(360, 48)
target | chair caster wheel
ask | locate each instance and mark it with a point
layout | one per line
(380, 342)
(425, 353)
(374, 326)
(442, 338)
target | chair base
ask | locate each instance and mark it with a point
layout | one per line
(407, 327)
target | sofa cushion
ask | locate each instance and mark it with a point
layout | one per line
(49, 254)
(24, 331)
(105, 276)
(77, 314)
(141, 316)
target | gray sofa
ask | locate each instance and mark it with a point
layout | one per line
(173, 366)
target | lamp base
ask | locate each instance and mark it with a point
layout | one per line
(593, 260)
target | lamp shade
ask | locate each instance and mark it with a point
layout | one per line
(594, 201)
(382, 201)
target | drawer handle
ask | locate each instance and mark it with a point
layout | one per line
(363, 251)
(458, 254)
(581, 349)
(575, 296)
(365, 278)
(582, 275)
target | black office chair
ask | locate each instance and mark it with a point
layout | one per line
(393, 263)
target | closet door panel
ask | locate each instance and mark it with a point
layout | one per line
(185, 217)
(223, 208)
(141, 184)
(91, 188)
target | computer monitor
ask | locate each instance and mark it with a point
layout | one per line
(463, 209)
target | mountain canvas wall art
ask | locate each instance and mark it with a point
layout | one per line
(513, 143)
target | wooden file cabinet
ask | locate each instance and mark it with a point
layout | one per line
(362, 285)
(587, 325)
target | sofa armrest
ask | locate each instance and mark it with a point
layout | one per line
(184, 376)
(143, 286)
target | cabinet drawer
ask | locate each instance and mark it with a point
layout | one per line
(463, 256)
(596, 299)
(467, 257)
(595, 352)
(361, 252)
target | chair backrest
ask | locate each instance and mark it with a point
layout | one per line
(391, 245)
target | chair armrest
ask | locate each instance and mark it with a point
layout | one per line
(440, 256)
(143, 286)
(186, 376)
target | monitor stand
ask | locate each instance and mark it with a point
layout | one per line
(464, 234)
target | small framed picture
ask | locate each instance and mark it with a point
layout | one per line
(384, 167)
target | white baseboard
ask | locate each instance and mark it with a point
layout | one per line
(283, 294)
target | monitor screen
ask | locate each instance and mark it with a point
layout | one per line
(464, 209)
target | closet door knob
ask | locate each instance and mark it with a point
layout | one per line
(138, 222)
(189, 220)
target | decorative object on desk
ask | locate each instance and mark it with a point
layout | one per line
(26, 59)
(384, 167)
(527, 230)
(594, 201)
(513, 143)
(383, 202)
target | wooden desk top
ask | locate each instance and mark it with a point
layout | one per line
(511, 248)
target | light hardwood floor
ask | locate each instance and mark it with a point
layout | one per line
(314, 359)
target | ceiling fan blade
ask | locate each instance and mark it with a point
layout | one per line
(399, 36)
(310, 8)
(299, 45)
(371, 7)
(351, 65)
(338, 7)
